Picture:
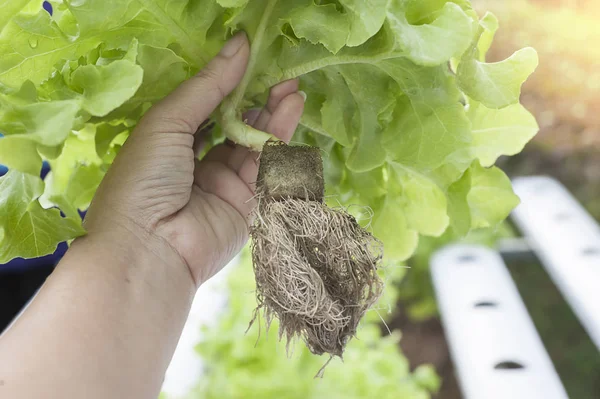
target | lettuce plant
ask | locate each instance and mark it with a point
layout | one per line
(400, 98)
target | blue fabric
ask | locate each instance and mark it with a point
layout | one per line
(48, 7)
(23, 265)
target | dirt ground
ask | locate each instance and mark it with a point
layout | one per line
(424, 342)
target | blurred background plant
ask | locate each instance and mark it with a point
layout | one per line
(256, 364)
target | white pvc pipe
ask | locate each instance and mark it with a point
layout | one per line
(566, 239)
(494, 345)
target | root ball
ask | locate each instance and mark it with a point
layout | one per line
(315, 267)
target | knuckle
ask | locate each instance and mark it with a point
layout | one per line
(277, 91)
(172, 122)
(209, 74)
(211, 79)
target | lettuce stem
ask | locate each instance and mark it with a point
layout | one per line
(231, 121)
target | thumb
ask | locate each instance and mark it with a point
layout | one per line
(184, 110)
(153, 172)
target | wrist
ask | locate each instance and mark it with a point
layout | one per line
(118, 297)
(134, 255)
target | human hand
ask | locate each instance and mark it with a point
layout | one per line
(158, 197)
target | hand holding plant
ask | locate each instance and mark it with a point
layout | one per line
(157, 187)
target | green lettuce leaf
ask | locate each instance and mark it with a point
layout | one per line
(75, 174)
(498, 84)
(490, 198)
(499, 132)
(107, 87)
(482, 198)
(21, 154)
(25, 227)
(402, 130)
(447, 36)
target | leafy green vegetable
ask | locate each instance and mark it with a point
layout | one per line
(399, 96)
(496, 85)
(105, 87)
(25, 227)
(499, 132)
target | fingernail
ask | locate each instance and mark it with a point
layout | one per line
(303, 94)
(233, 45)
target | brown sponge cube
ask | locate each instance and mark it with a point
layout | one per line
(291, 172)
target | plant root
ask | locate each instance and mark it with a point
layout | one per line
(315, 270)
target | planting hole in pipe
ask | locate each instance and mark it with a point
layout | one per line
(562, 216)
(467, 258)
(485, 304)
(508, 365)
(591, 251)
